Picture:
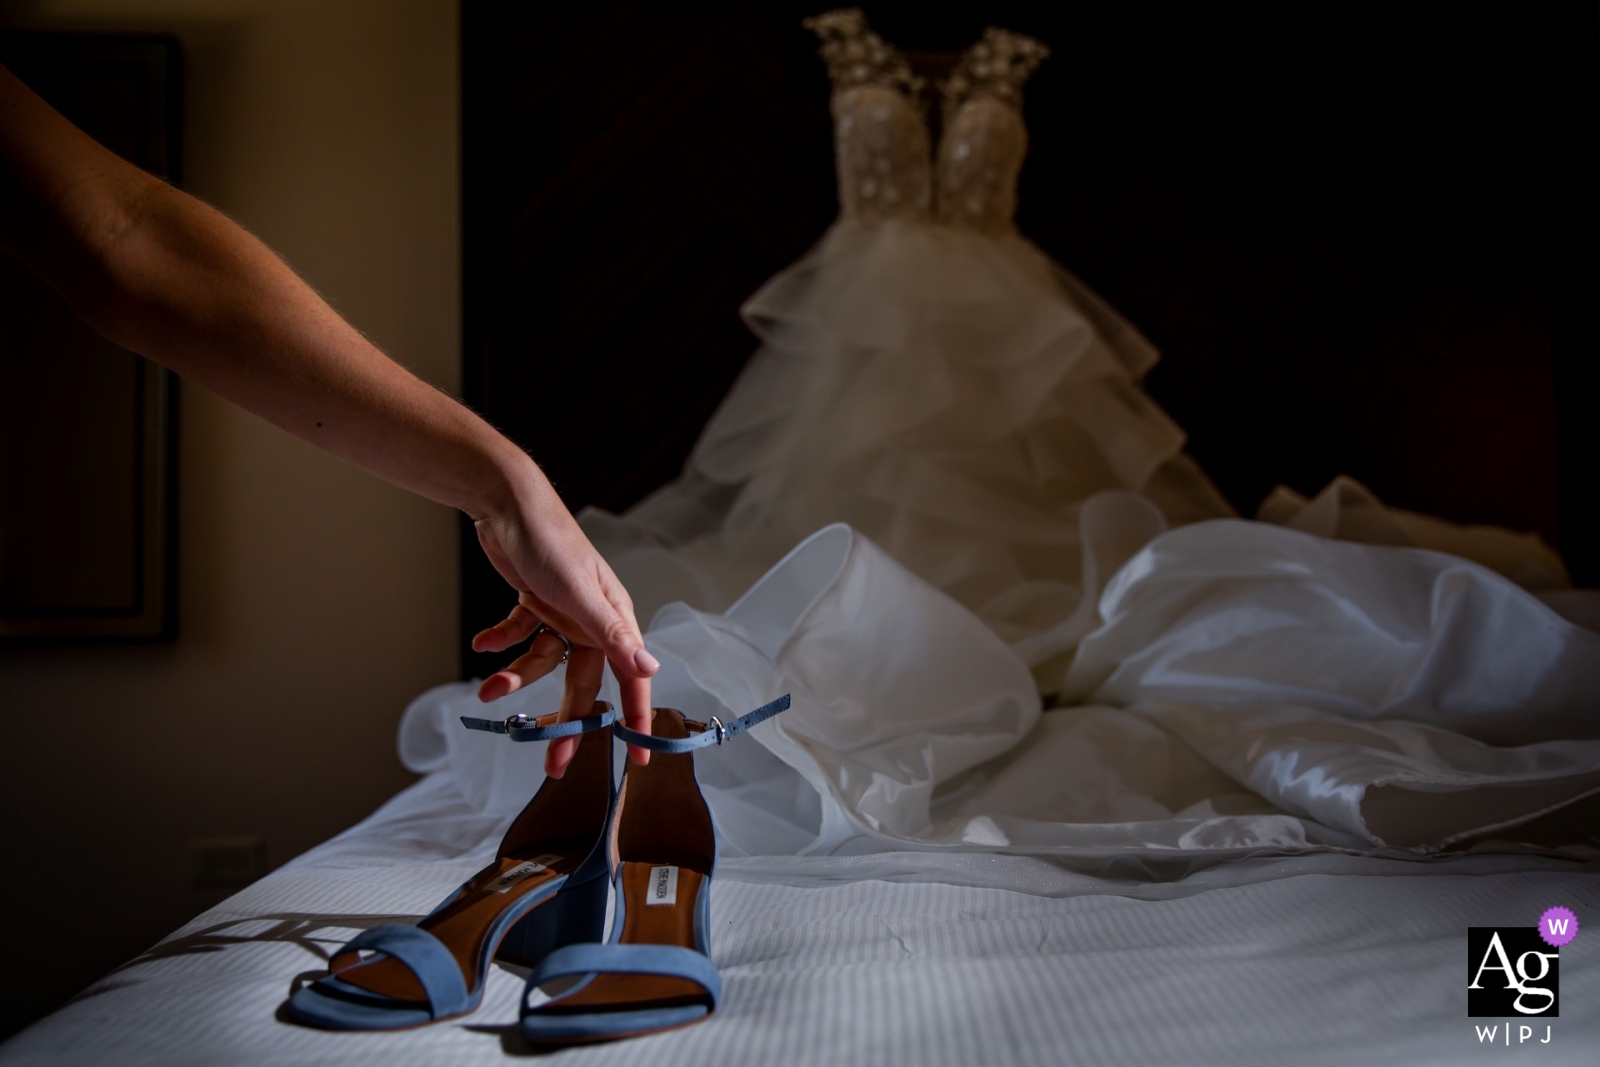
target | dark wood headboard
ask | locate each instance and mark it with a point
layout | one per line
(1362, 235)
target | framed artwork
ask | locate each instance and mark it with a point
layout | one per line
(87, 429)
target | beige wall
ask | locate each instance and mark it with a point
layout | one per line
(315, 601)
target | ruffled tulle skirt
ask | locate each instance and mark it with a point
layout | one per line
(1022, 520)
(958, 398)
(954, 396)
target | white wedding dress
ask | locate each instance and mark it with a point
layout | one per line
(938, 491)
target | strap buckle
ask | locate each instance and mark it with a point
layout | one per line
(515, 722)
(722, 731)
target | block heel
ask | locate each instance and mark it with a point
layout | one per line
(577, 914)
(545, 888)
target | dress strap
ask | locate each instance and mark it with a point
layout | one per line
(995, 66)
(857, 56)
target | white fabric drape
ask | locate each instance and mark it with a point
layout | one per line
(1022, 520)
(1240, 686)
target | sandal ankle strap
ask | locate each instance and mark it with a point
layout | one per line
(545, 727)
(702, 734)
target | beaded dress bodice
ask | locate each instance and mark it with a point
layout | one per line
(881, 129)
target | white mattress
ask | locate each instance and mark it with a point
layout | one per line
(914, 958)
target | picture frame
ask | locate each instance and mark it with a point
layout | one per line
(88, 430)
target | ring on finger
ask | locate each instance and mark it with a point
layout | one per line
(544, 628)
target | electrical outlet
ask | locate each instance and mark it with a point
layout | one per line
(226, 862)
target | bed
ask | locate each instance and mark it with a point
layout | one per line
(1101, 891)
(895, 957)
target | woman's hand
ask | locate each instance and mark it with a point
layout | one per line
(563, 582)
(166, 276)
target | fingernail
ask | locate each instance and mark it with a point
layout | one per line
(646, 663)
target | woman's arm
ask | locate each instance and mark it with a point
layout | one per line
(168, 277)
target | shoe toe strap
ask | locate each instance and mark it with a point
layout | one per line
(423, 955)
(666, 961)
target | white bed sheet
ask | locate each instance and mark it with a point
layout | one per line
(913, 958)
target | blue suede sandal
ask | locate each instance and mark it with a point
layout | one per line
(546, 888)
(655, 973)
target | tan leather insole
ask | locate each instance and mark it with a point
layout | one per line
(464, 925)
(646, 924)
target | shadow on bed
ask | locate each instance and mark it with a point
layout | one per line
(298, 928)
(293, 927)
(512, 1043)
